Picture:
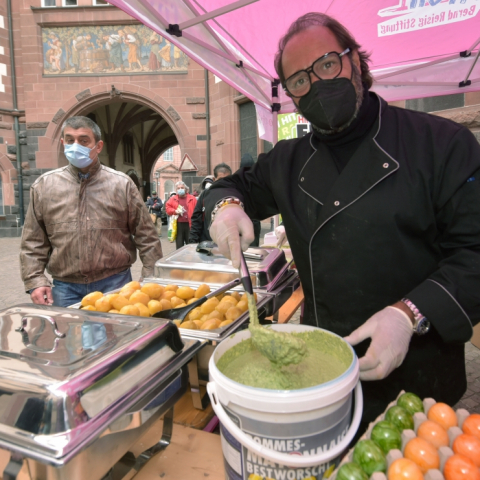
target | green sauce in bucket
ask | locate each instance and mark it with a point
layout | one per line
(327, 358)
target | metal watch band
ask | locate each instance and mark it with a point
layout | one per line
(226, 201)
(420, 323)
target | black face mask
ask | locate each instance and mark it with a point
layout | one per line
(329, 104)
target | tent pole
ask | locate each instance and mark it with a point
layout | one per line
(471, 68)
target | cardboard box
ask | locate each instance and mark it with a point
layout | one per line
(476, 336)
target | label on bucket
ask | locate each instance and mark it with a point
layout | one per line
(310, 437)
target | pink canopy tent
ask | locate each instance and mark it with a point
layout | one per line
(418, 48)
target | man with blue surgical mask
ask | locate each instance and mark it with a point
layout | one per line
(84, 225)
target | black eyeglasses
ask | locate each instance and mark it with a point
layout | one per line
(327, 67)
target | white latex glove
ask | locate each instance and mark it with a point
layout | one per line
(281, 235)
(232, 231)
(390, 330)
(179, 210)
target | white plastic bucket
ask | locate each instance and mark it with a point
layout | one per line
(283, 434)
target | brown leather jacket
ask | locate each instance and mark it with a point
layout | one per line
(85, 231)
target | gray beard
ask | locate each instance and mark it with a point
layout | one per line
(357, 84)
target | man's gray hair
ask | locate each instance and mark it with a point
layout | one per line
(83, 122)
(180, 182)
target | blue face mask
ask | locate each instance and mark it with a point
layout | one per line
(78, 155)
(181, 192)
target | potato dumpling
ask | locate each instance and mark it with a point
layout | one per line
(119, 302)
(113, 311)
(216, 314)
(233, 313)
(139, 297)
(89, 307)
(153, 290)
(195, 314)
(196, 276)
(91, 298)
(229, 298)
(171, 288)
(103, 305)
(167, 295)
(130, 310)
(144, 311)
(154, 306)
(202, 290)
(236, 296)
(135, 285)
(225, 323)
(175, 301)
(209, 305)
(242, 305)
(177, 274)
(210, 324)
(127, 292)
(222, 307)
(185, 292)
(190, 325)
(166, 305)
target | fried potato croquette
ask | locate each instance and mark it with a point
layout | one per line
(166, 305)
(113, 311)
(154, 306)
(119, 302)
(242, 305)
(185, 293)
(192, 300)
(127, 292)
(233, 313)
(236, 296)
(91, 298)
(222, 307)
(229, 298)
(143, 309)
(175, 301)
(139, 297)
(225, 323)
(190, 325)
(215, 314)
(177, 274)
(171, 288)
(177, 322)
(90, 308)
(103, 305)
(198, 323)
(209, 305)
(167, 295)
(135, 285)
(130, 310)
(202, 290)
(210, 324)
(153, 290)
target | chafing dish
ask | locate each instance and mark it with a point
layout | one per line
(77, 389)
(267, 267)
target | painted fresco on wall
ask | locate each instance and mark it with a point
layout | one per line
(117, 50)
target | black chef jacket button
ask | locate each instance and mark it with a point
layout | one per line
(386, 165)
(336, 203)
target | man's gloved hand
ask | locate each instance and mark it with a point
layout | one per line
(390, 330)
(42, 296)
(179, 210)
(281, 235)
(232, 231)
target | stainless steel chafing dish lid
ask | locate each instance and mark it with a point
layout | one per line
(65, 374)
(199, 264)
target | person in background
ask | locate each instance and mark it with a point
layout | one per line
(155, 205)
(183, 205)
(84, 224)
(381, 206)
(199, 228)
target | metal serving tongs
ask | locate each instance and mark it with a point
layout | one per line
(182, 312)
(279, 347)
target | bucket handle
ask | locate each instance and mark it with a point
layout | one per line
(293, 461)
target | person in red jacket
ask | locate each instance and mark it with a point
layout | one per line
(183, 205)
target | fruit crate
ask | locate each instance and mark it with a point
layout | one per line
(444, 451)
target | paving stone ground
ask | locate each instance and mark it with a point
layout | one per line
(12, 293)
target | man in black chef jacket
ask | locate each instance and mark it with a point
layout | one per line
(381, 207)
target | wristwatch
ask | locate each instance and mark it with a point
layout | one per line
(226, 201)
(420, 323)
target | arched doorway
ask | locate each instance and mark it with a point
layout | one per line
(169, 187)
(134, 135)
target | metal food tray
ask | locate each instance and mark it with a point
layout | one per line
(217, 334)
(267, 266)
